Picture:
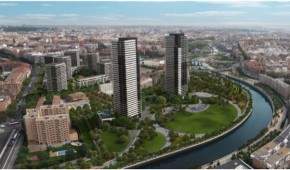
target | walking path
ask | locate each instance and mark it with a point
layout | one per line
(165, 133)
(133, 134)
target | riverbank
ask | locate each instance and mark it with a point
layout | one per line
(228, 157)
(190, 147)
(258, 89)
(258, 120)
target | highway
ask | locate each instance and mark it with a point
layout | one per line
(13, 145)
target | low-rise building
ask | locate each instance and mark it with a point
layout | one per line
(234, 164)
(77, 96)
(153, 63)
(89, 81)
(77, 99)
(12, 85)
(5, 101)
(146, 82)
(253, 68)
(8, 65)
(275, 154)
(106, 88)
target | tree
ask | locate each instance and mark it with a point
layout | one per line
(161, 100)
(92, 134)
(218, 163)
(123, 139)
(69, 165)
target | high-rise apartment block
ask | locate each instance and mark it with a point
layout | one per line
(126, 77)
(56, 77)
(48, 125)
(67, 61)
(75, 57)
(92, 60)
(176, 74)
(105, 67)
(60, 58)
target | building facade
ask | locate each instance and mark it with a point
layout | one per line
(89, 81)
(176, 76)
(12, 85)
(5, 101)
(60, 58)
(67, 61)
(49, 125)
(92, 60)
(56, 77)
(126, 77)
(278, 85)
(105, 68)
(106, 88)
(75, 57)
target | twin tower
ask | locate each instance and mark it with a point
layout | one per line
(126, 72)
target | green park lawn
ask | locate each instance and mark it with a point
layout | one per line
(214, 118)
(155, 144)
(111, 141)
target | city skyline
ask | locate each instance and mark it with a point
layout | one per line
(194, 13)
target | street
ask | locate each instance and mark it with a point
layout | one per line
(13, 144)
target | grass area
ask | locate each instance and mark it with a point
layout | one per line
(214, 118)
(85, 135)
(177, 140)
(110, 140)
(155, 144)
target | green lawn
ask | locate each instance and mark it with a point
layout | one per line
(212, 119)
(155, 144)
(110, 140)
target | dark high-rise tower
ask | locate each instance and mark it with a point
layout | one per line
(176, 76)
(126, 77)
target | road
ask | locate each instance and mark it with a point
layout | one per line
(10, 154)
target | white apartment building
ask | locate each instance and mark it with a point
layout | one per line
(126, 77)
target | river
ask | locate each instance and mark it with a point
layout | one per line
(259, 119)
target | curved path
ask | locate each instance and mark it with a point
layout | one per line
(165, 133)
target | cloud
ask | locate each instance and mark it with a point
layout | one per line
(206, 13)
(2, 16)
(241, 4)
(110, 17)
(69, 15)
(8, 4)
(285, 13)
(47, 16)
(47, 5)
(37, 16)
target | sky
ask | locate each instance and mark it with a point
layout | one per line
(194, 13)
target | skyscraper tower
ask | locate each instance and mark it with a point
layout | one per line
(126, 77)
(56, 77)
(176, 75)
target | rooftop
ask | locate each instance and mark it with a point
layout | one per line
(234, 164)
(56, 100)
(275, 150)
